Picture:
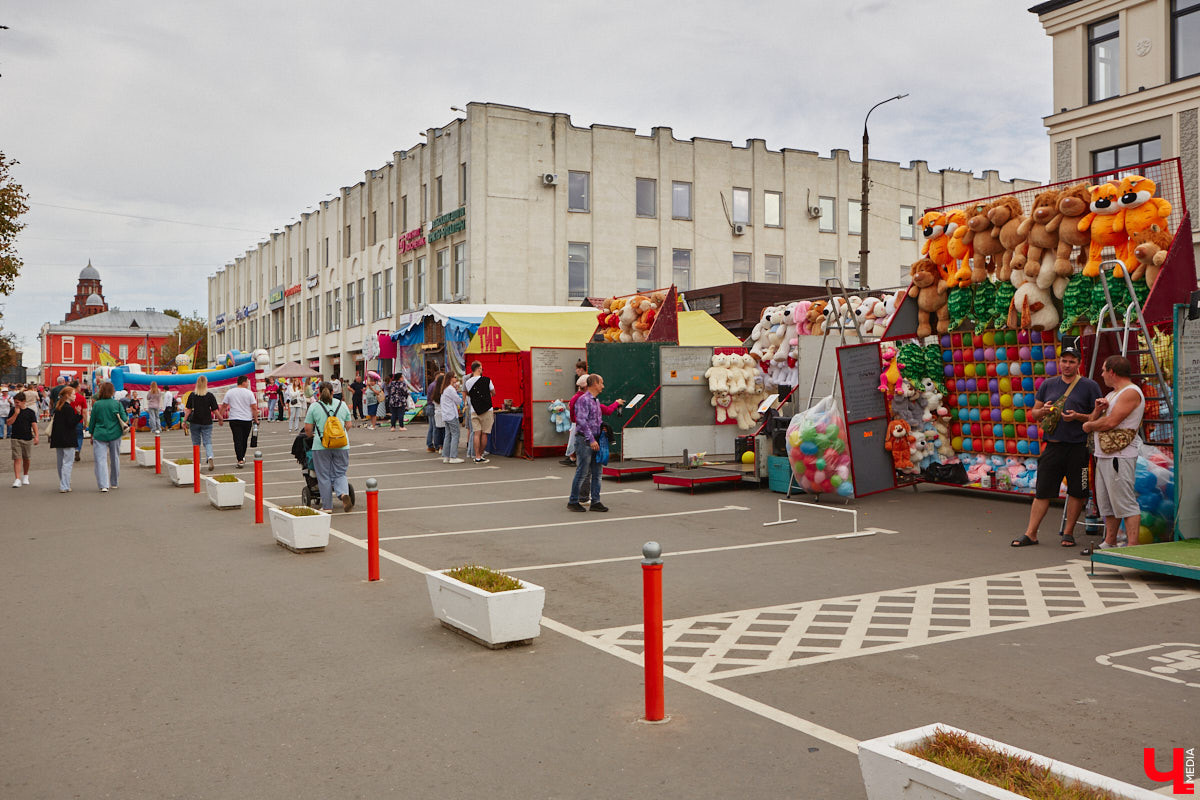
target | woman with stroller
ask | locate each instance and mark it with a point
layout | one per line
(330, 464)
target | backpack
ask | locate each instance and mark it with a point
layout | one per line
(481, 395)
(333, 433)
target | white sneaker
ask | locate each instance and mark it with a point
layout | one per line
(454, 461)
(17, 482)
(25, 480)
(445, 460)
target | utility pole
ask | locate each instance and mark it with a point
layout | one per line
(865, 204)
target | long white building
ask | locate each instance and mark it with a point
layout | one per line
(517, 206)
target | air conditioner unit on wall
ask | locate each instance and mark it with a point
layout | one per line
(739, 229)
(814, 211)
(549, 179)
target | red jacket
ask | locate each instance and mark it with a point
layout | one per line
(604, 409)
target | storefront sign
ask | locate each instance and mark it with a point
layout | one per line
(220, 320)
(710, 304)
(490, 338)
(312, 281)
(314, 363)
(448, 224)
(291, 290)
(275, 299)
(250, 309)
(411, 240)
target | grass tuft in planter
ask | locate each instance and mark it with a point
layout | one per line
(483, 578)
(955, 751)
(182, 461)
(299, 511)
(146, 447)
(225, 478)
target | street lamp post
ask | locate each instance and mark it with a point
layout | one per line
(865, 205)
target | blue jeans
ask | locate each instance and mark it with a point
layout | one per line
(108, 462)
(4, 426)
(271, 401)
(585, 467)
(79, 436)
(65, 461)
(331, 467)
(450, 446)
(202, 435)
(436, 435)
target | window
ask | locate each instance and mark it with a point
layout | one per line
(422, 283)
(308, 319)
(289, 272)
(773, 209)
(1104, 60)
(773, 269)
(85, 353)
(362, 300)
(579, 191)
(647, 197)
(460, 270)
(406, 285)
(827, 222)
(376, 296)
(253, 326)
(905, 274)
(316, 317)
(1124, 156)
(266, 333)
(141, 351)
(387, 292)
(828, 269)
(854, 217)
(123, 352)
(278, 315)
(578, 261)
(1185, 38)
(437, 201)
(741, 206)
(346, 243)
(741, 267)
(443, 274)
(647, 268)
(854, 275)
(337, 310)
(681, 269)
(362, 232)
(908, 216)
(350, 304)
(296, 321)
(681, 200)
(68, 348)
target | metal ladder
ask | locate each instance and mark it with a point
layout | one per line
(847, 312)
(1133, 312)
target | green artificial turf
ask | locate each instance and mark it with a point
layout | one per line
(1186, 552)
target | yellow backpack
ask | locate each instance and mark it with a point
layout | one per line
(333, 433)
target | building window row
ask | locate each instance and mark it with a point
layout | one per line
(1124, 156)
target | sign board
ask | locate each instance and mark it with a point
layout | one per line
(860, 367)
(552, 375)
(865, 413)
(275, 298)
(1187, 424)
(1187, 364)
(685, 366)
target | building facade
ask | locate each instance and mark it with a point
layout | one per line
(89, 295)
(1126, 87)
(509, 205)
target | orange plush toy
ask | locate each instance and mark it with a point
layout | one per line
(900, 441)
(960, 250)
(933, 226)
(1142, 209)
(1106, 222)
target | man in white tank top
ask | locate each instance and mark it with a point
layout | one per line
(1122, 408)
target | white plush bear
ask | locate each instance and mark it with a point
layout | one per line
(718, 374)
(628, 316)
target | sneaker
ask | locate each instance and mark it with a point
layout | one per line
(598, 506)
(114, 486)
(566, 462)
(431, 449)
(17, 483)
(211, 465)
(104, 490)
(63, 491)
(347, 502)
(576, 507)
(77, 456)
(445, 460)
(481, 461)
(241, 465)
(1106, 546)
(25, 480)
(455, 461)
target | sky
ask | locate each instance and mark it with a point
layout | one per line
(163, 139)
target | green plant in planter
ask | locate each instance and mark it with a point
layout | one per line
(225, 478)
(299, 511)
(182, 461)
(953, 750)
(483, 578)
(146, 447)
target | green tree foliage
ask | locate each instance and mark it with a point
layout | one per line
(10, 347)
(190, 329)
(13, 203)
(172, 312)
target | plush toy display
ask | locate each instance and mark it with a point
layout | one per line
(1105, 223)
(1149, 248)
(560, 416)
(1142, 208)
(936, 246)
(1032, 308)
(929, 290)
(718, 374)
(899, 443)
(978, 236)
(816, 317)
(1073, 206)
(1038, 254)
(1006, 217)
(960, 249)
(721, 400)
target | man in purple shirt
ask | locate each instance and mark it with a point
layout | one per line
(588, 417)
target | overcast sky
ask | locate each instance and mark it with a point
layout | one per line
(130, 118)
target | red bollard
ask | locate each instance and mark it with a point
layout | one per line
(195, 469)
(652, 626)
(258, 488)
(157, 454)
(133, 440)
(372, 529)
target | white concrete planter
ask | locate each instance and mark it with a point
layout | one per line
(492, 618)
(124, 447)
(889, 772)
(180, 474)
(300, 533)
(145, 458)
(225, 495)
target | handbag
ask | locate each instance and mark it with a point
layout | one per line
(1054, 410)
(254, 435)
(1116, 440)
(602, 453)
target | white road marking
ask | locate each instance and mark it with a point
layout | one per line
(448, 485)
(693, 552)
(374, 475)
(563, 524)
(558, 497)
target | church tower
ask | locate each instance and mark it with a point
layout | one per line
(89, 297)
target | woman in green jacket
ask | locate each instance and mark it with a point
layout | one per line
(108, 423)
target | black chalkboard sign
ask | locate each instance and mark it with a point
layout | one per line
(859, 367)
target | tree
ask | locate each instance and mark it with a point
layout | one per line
(189, 330)
(10, 351)
(173, 312)
(13, 203)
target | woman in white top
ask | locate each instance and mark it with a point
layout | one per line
(1120, 409)
(297, 407)
(154, 407)
(448, 405)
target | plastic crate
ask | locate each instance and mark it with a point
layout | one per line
(779, 473)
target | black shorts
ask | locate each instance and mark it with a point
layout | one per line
(1062, 460)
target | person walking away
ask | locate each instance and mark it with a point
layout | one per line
(479, 390)
(6, 407)
(330, 463)
(1071, 397)
(201, 411)
(356, 396)
(62, 437)
(241, 409)
(449, 402)
(397, 398)
(154, 407)
(433, 393)
(375, 396)
(108, 423)
(23, 430)
(80, 402)
(271, 395)
(1115, 425)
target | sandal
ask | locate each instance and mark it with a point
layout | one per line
(1068, 540)
(1024, 541)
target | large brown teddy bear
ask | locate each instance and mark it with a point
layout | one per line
(929, 290)
(977, 237)
(1006, 217)
(816, 316)
(1040, 229)
(1150, 248)
(1072, 207)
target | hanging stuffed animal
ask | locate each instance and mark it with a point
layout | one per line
(722, 401)
(1106, 223)
(1149, 247)
(1072, 207)
(929, 290)
(960, 249)
(1006, 217)
(899, 442)
(560, 416)
(933, 228)
(985, 247)
(1040, 230)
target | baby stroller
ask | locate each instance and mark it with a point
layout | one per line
(310, 495)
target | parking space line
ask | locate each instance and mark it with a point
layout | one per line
(563, 524)
(558, 497)
(698, 551)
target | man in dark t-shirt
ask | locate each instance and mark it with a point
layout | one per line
(356, 404)
(1064, 451)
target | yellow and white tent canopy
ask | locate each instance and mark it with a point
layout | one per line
(514, 332)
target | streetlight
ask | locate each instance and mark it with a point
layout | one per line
(866, 190)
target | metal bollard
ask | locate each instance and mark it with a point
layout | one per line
(195, 469)
(157, 454)
(372, 529)
(133, 440)
(258, 487)
(652, 627)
